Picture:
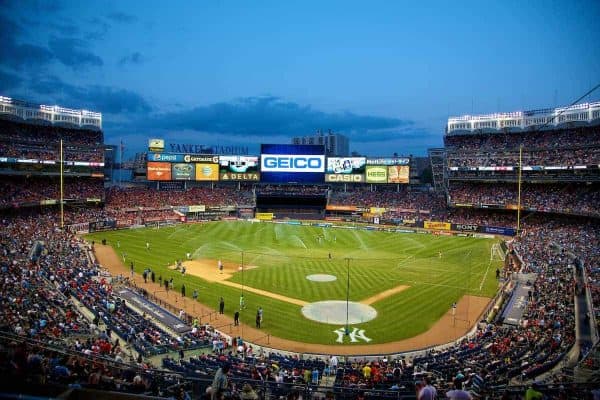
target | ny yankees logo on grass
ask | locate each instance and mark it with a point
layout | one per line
(354, 335)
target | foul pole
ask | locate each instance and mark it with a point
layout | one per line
(519, 189)
(62, 210)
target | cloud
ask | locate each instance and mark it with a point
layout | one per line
(104, 99)
(17, 55)
(272, 116)
(133, 58)
(73, 53)
(64, 28)
(9, 81)
(99, 29)
(122, 17)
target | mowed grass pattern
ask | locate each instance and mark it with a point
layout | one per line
(286, 254)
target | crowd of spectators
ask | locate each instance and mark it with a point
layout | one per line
(402, 198)
(579, 146)
(23, 132)
(46, 272)
(125, 198)
(17, 190)
(558, 198)
(51, 152)
(503, 354)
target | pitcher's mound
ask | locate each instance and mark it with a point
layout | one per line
(321, 278)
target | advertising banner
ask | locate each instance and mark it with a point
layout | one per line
(207, 172)
(239, 168)
(198, 208)
(398, 173)
(283, 163)
(377, 210)
(332, 207)
(264, 216)
(201, 158)
(376, 174)
(183, 172)
(388, 161)
(498, 230)
(346, 165)
(157, 145)
(465, 227)
(165, 157)
(436, 225)
(159, 171)
(345, 178)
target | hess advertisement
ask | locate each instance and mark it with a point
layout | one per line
(207, 172)
(239, 168)
(345, 169)
(376, 174)
(159, 171)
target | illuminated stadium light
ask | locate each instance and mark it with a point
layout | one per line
(53, 114)
(584, 114)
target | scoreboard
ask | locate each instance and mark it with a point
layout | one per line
(278, 164)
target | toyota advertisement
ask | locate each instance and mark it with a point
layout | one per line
(285, 163)
(346, 169)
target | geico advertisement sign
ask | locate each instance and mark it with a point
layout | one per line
(207, 172)
(376, 174)
(292, 163)
(347, 178)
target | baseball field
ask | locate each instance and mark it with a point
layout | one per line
(398, 285)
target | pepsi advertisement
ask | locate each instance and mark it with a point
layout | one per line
(287, 163)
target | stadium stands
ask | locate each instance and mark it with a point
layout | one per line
(61, 320)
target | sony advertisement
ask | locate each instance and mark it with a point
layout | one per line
(345, 169)
(239, 168)
(286, 163)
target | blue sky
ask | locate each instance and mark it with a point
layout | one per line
(386, 74)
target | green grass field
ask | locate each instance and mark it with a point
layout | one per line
(286, 254)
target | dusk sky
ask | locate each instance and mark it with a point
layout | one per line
(386, 74)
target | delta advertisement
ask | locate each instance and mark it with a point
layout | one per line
(346, 169)
(159, 171)
(239, 168)
(284, 163)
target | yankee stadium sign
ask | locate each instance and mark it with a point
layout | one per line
(202, 149)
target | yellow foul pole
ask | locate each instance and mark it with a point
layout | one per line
(519, 190)
(62, 211)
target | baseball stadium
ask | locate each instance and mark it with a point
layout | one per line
(290, 264)
(251, 262)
